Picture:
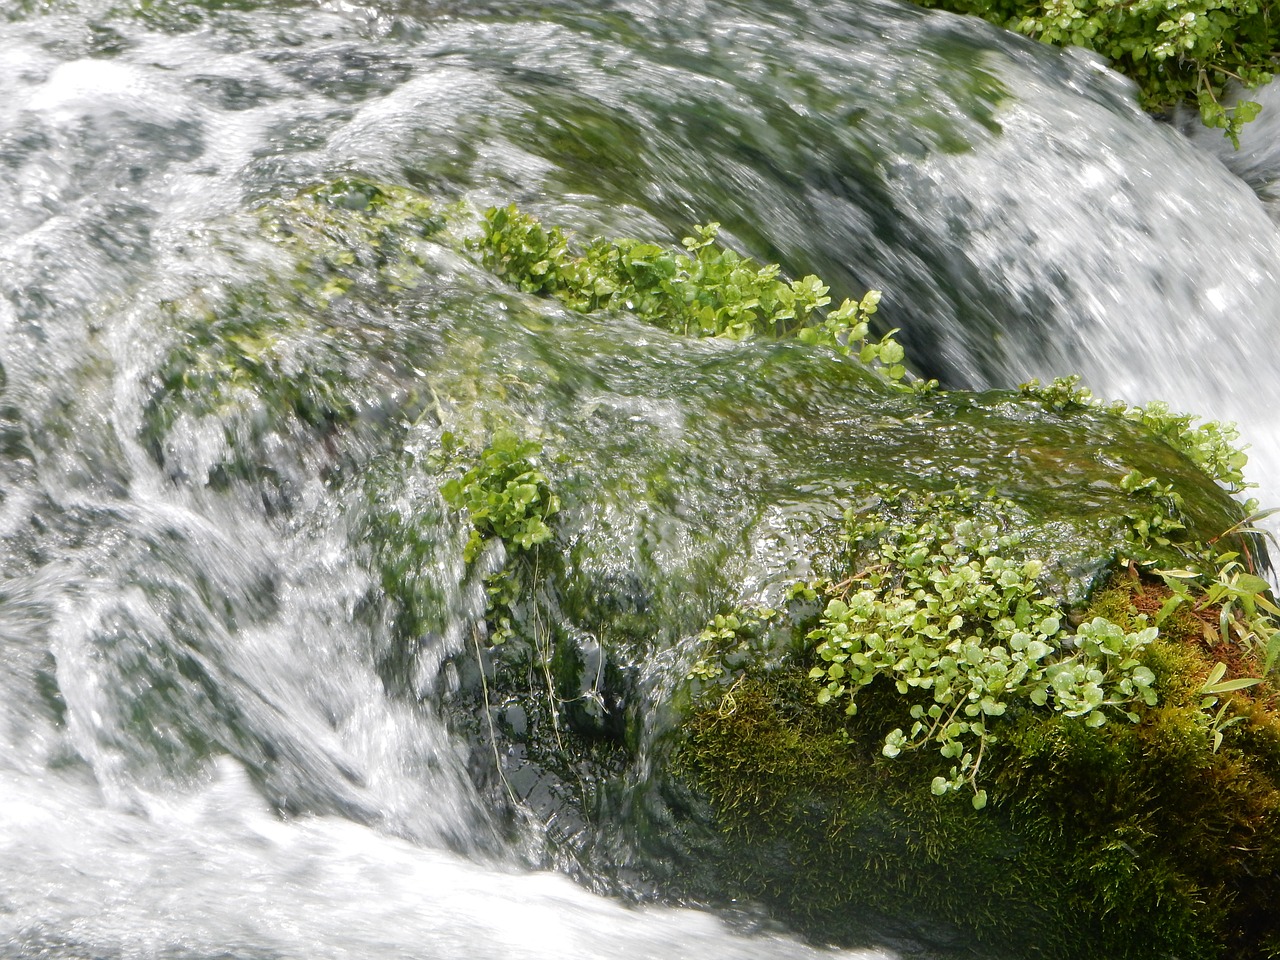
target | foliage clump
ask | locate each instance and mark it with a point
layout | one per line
(506, 498)
(1177, 51)
(708, 291)
(505, 495)
(1213, 446)
(949, 613)
(1157, 833)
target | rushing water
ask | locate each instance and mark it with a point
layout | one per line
(197, 754)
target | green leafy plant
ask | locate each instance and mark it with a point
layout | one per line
(1246, 612)
(949, 615)
(709, 290)
(946, 611)
(1212, 445)
(1214, 686)
(732, 638)
(505, 495)
(1177, 51)
(1156, 516)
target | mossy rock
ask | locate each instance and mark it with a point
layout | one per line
(1128, 841)
(695, 475)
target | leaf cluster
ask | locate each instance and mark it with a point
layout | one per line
(1177, 51)
(709, 290)
(1155, 518)
(505, 495)
(1212, 445)
(1214, 585)
(952, 618)
(1246, 612)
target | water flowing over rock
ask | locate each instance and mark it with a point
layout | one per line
(249, 705)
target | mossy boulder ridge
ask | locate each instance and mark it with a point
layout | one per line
(753, 614)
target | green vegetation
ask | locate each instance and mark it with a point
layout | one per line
(1134, 841)
(1212, 446)
(1127, 742)
(856, 834)
(504, 495)
(708, 291)
(1141, 839)
(949, 613)
(945, 607)
(1003, 761)
(1178, 51)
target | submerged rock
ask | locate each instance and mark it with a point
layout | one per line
(696, 477)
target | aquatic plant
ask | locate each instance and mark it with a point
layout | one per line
(1177, 51)
(1148, 832)
(504, 494)
(1212, 445)
(946, 608)
(710, 290)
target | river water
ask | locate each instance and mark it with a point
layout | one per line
(198, 758)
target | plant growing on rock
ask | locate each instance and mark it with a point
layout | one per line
(1213, 446)
(1177, 51)
(953, 664)
(947, 612)
(506, 497)
(709, 290)
(504, 494)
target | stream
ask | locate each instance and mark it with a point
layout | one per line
(199, 757)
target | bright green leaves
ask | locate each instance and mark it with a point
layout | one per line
(708, 291)
(947, 611)
(1212, 446)
(1063, 395)
(731, 639)
(1213, 687)
(505, 496)
(1157, 512)
(519, 249)
(950, 615)
(1107, 673)
(1177, 51)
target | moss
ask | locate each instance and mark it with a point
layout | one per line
(1170, 846)
(832, 836)
(1130, 841)
(1190, 635)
